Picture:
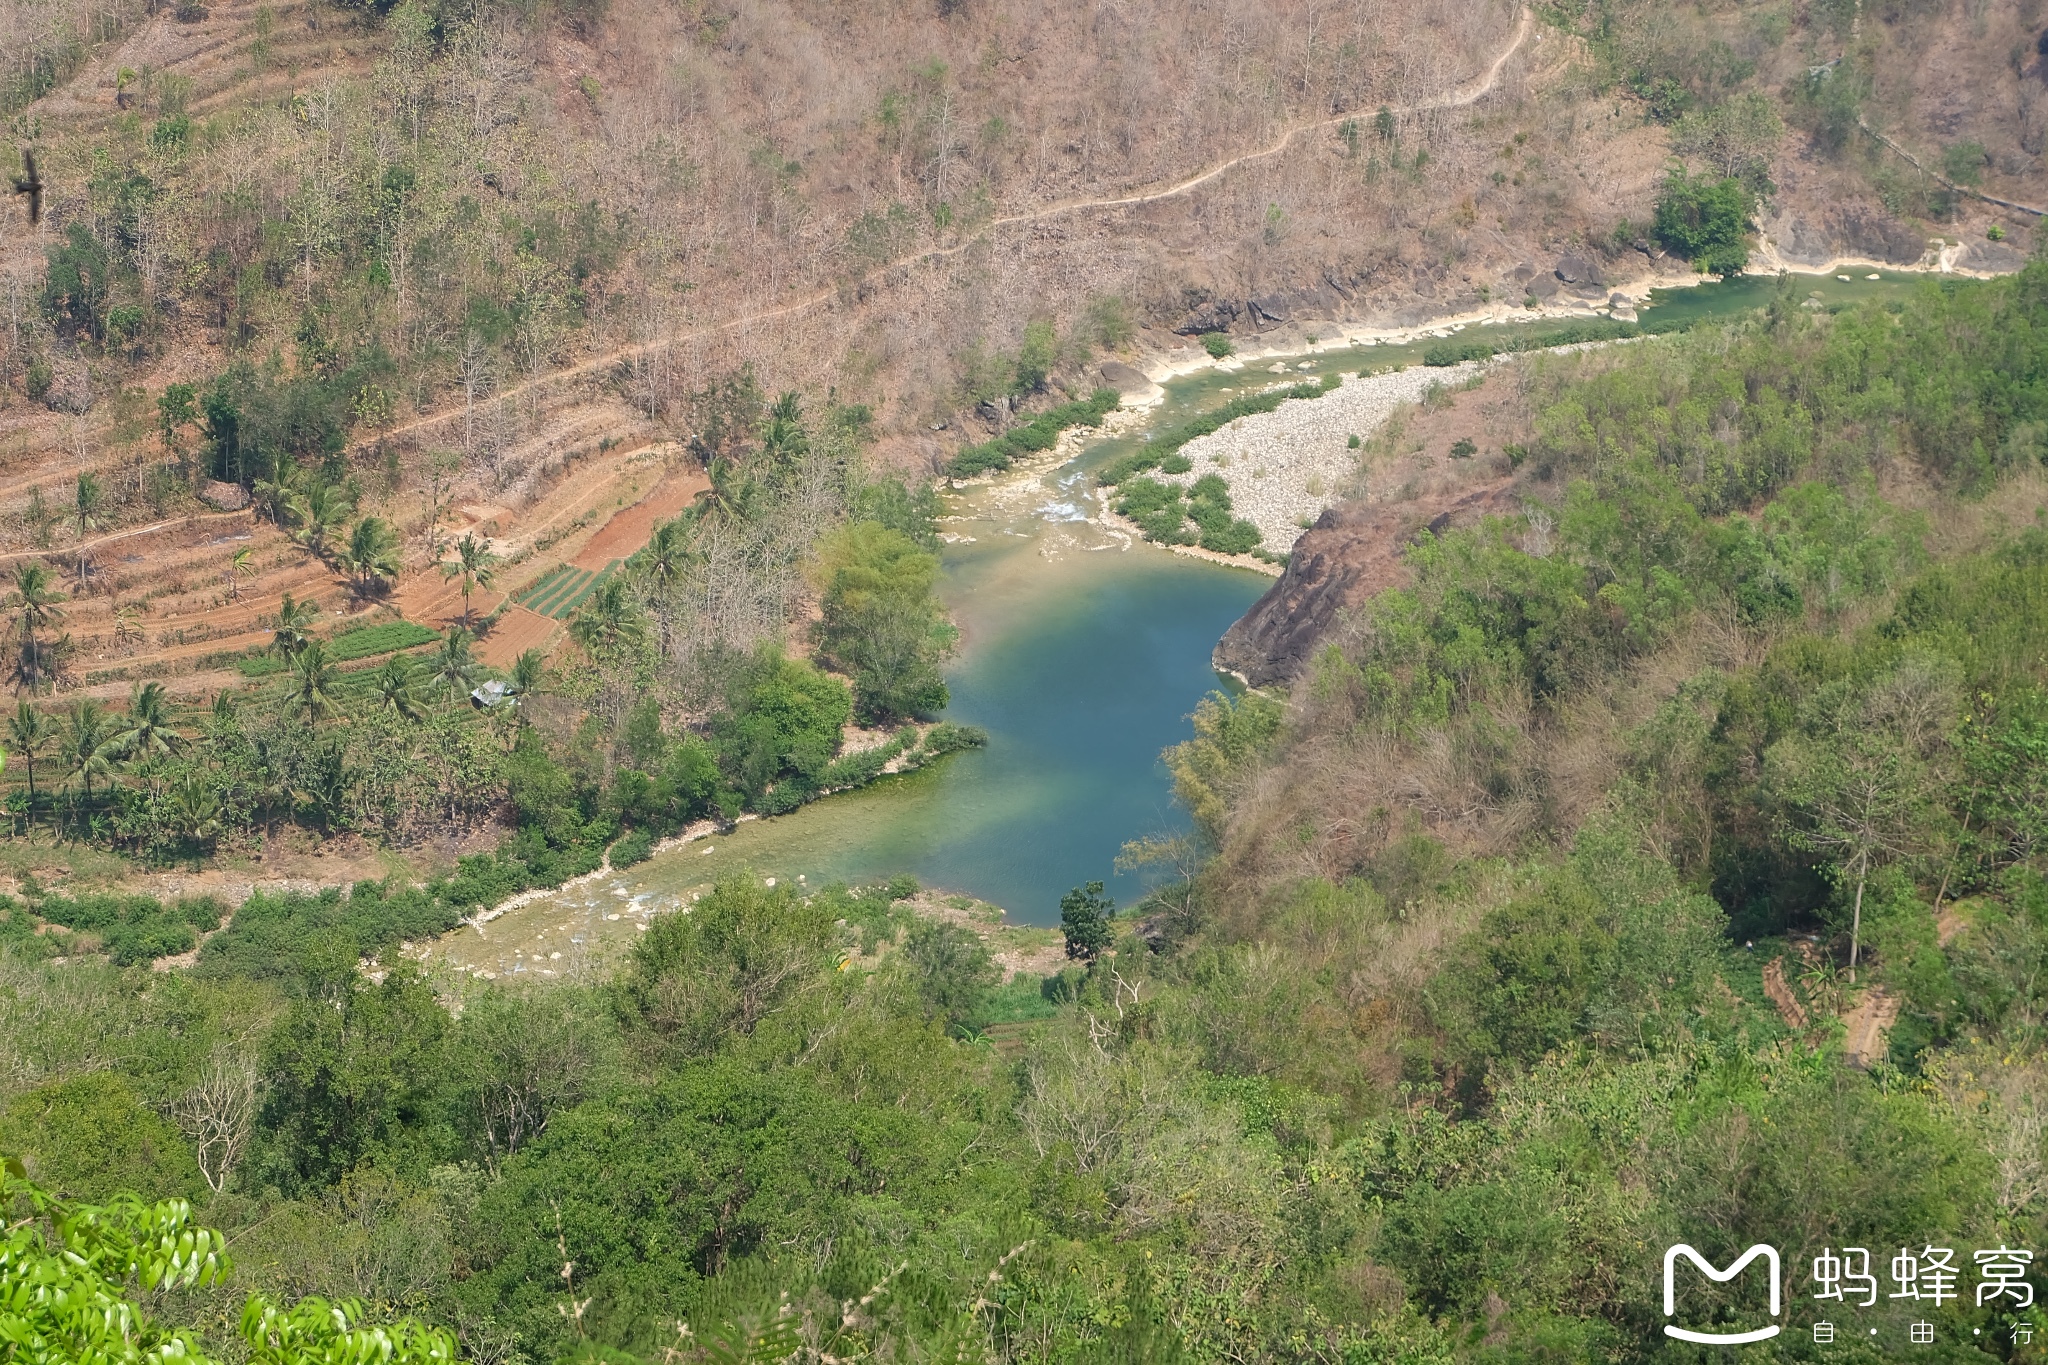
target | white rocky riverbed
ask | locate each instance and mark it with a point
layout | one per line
(1284, 467)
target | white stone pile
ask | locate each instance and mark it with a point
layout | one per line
(1284, 467)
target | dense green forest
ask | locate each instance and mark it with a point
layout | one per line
(1520, 951)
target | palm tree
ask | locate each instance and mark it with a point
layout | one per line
(37, 609)
(88, 745)
(396, 686)
(128, 623)
(196, 809)
(453, 664)
(667, 551)
(275, 495)
(371, 555)
(784, 440)
(610, 620)
(148, 733)
(730, 492)
(526, 671)
(30, 731)
(312, 687)
(475, 565)
(319, 512)
(85, 514)
(239, 568)
(289, 628)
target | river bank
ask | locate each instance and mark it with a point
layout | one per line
(1083, 650)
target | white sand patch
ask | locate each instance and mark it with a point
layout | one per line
(1284, 467)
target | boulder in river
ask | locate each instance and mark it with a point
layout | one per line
(1124, 378)
(1577, 270)
(1130, 381)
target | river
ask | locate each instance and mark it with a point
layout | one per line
(1082, 654)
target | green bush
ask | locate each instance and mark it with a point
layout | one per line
(1445, 353)
(1217, 344)
(947, 737)
(134, 929)
(1041, 433)
(634, 847)
(1706, 221)
(1156, 508)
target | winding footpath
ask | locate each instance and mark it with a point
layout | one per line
(1458, 97)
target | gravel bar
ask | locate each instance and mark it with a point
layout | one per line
(1272, 460)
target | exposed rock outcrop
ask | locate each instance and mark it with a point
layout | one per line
(1991, 257)
(228, 497)
(1846, 232)
(1353, 551)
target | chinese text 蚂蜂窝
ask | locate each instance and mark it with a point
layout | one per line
(1929, 1274)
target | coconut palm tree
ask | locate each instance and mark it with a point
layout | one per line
(396, 684)
(35, 607)
(371, 555)
(148, 733)
(475, 565)
(610, 620)
(313, 682)
(730, 493)
(87, 501)
(317, 513)
(275, 495)
(239, 567)
(290, 626)
(526, 671)
(30, 732)
(196, 809)
(453, 665)
(88, 745)
(668, 550)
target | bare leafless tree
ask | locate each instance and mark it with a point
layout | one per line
(218, 1115)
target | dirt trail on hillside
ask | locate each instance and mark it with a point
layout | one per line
(1458, 98)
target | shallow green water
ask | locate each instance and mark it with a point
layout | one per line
(1082, 655)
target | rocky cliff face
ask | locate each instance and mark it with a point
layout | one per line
(1352, 552)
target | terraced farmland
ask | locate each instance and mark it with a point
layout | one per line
(559, 591)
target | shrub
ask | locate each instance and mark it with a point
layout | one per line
(1706, 221)
(1446, 353)
(945, 738)
(635, 847)
(1217, 344)
(134, 929)
(1041, 433)
(1157, 509)
(1085, 915)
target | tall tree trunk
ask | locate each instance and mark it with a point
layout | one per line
(1856, 917)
